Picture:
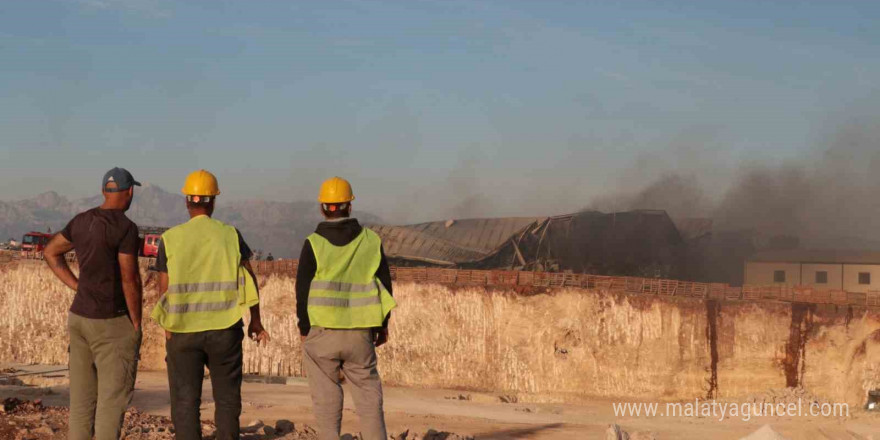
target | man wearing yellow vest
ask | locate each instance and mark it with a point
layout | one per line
(343, 300)
(206, 283)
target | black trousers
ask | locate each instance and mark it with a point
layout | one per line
(187, 356)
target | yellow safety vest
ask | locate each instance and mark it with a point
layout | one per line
(345, 292)
(208, 289)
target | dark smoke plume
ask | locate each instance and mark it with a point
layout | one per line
(829, 198)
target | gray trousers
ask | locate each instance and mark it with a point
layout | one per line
(325, 353)
(103, 367)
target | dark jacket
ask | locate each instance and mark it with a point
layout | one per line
(338, 233)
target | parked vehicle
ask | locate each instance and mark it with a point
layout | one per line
(33, 243)
(151, 245)
(151, 237)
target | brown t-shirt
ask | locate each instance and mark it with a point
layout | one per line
(98, 237)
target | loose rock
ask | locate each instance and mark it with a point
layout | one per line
(284, 426)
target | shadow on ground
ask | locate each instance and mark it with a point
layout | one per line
(516, 433)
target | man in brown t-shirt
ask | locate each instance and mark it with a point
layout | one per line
(105, 318)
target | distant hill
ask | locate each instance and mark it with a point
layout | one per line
(276, 227)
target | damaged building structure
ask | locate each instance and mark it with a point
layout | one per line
(639, 243)
(643, 243)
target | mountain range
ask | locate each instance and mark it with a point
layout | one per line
(276, 227)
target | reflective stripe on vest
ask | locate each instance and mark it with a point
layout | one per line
(340, 286)
(198, 307)
(207, 288)
(203, 287)
(345, 292)
(344, 302)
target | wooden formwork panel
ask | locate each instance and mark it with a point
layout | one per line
(541, 279)
(615, 284)
(821, 296)
(463, 277)
(606, 283)
(633, 285)
(733, 293)
(669, 287)
(480, 277)
(402, 274)
(556, 279)
(525, 278)
(786, 293)
(414, 274)
(775, 292)
(684, 288)
(652, 286)
(802, 294)
(443, 276)
(717, 291)
(838, 297)
(504, 277)
(275, 267)
(662, 288)
(420, 274)
(571, 280)
(293, 269)
(700, 290)
(751, 293)
(857, 298)
(759, 292)
(596, 281)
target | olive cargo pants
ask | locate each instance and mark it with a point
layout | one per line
(187, 356)
(103, 367)
(325, 352)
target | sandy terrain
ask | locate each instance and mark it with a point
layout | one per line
(561, 357)
(564, 346)
(483, 416)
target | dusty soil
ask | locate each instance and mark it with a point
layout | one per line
(31, 420)
(567, 345)
(416, 411)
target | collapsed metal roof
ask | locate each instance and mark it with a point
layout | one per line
(634, 242)
(694, 228)
(451, 242)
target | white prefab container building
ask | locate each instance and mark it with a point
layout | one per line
(852, 271)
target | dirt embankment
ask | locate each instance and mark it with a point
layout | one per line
(565, 345)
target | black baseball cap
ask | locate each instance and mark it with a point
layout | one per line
(121, 177)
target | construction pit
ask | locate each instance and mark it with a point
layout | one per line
(496, 363)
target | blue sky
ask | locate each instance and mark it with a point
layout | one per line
(421, 104)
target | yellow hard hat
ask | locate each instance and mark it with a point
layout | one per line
(335, 190)
(201, 183)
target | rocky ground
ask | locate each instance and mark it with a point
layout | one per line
(31, 420)
(37, 394)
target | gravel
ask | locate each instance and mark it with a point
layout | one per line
(30, 420)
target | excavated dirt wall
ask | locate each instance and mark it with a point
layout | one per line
(562, 345)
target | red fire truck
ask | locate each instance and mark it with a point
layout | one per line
(33, 243)
(151, 236)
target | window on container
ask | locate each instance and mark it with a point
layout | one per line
(779, 276)
(865, 278)
(821, 277)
